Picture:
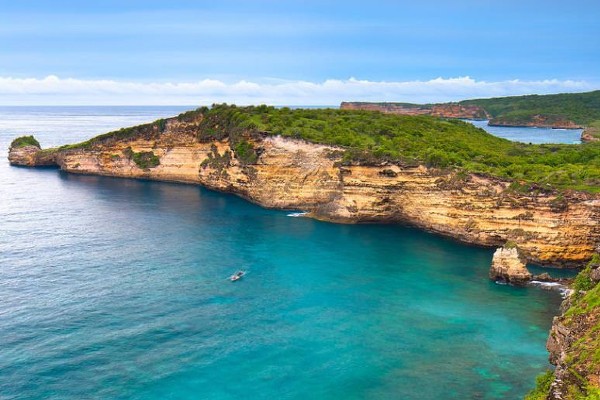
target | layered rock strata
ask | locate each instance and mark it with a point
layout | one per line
(293, 174)
(537, 121)
(450, 110)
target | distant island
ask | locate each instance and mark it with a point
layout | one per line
(559, 111)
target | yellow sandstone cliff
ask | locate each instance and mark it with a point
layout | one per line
(294, 174)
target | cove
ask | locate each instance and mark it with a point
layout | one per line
(116, 288)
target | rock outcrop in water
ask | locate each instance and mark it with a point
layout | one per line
(284, 173)
(509, 267)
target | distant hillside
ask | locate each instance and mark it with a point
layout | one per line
(579, 108)
(566, 110)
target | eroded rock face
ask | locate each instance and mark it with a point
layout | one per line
(31, 156)
(450, 110)
(23, 156)
(571, 343)
(508, 266)
(539, 121)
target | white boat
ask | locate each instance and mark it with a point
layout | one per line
(237, 276)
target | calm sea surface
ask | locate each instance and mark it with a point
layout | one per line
(117, 289)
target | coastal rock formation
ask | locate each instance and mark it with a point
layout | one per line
(574, 343)
(509, 267)
(449, 110)
(24, 156)
(288, 173)
(591, 134)
(538, 121)
(31, 156)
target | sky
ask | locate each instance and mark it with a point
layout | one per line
(293, 52)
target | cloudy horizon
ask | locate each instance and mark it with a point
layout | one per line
(53, 90)
(311, 52)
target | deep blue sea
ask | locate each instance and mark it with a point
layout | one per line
(117, 289)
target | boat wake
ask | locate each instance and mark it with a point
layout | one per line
(297, 214)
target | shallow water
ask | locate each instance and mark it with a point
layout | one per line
(116, 288)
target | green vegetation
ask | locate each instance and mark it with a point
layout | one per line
(542, 386)
(143, 159)
(373, 138)
(583, 280)
(146, 131)
(581, 108)
(582, 322)
(24, 141)
(583, 318)
(593, 129)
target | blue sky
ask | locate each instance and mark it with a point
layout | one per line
(280, 47)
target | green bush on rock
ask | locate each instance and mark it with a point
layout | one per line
(542, 386)
(143, 159)
(24, 141)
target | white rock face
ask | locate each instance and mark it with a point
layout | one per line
(508, 266)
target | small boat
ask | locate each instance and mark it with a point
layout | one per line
(237, 276)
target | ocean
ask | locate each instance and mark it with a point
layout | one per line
(117, 289)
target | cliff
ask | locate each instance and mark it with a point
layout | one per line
(449, 110)
(574, 342)
(537, 121)
(286, 173)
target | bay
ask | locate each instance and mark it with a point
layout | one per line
(117, 289)
(530, 134)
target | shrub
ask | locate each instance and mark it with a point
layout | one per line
(542, 386)
(143, 159)
(24, 141)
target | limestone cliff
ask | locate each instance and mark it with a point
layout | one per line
(508, 266)
(286, 173)
(449, 110)
(537, 121)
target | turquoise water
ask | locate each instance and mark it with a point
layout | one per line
(117, 289)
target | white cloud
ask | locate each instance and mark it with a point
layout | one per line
(53, 90)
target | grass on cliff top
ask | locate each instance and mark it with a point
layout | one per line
(24, 141)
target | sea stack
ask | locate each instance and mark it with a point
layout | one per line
(508, 266)
(24, 156)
